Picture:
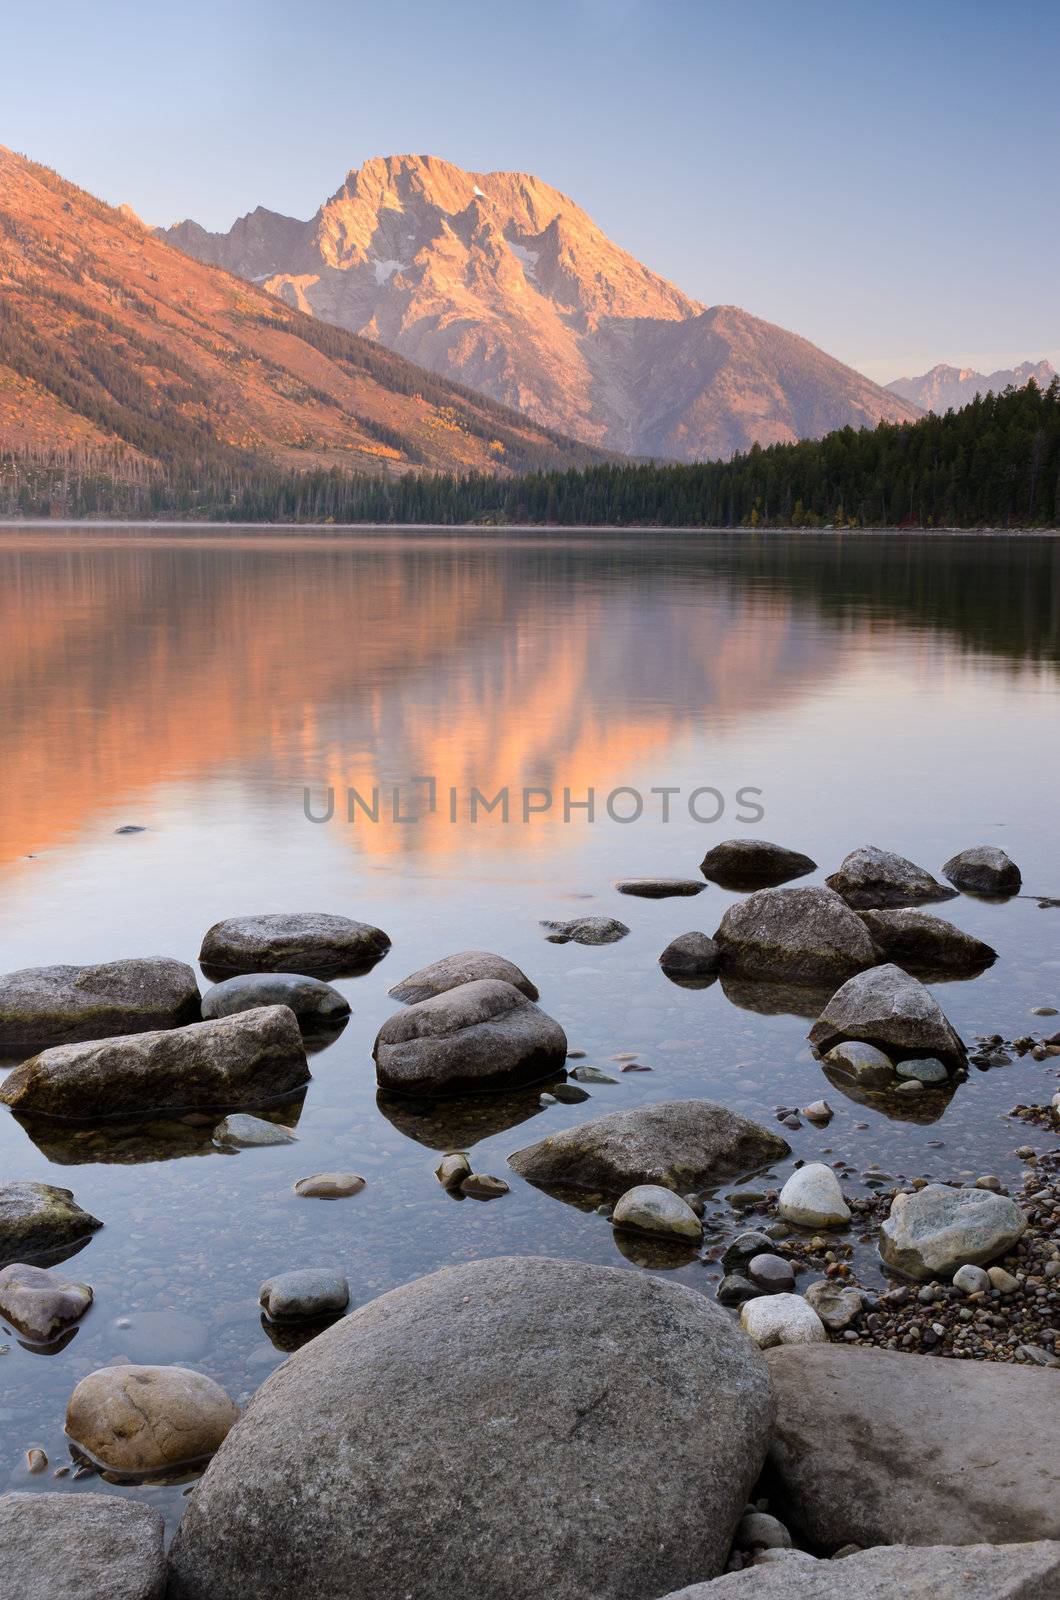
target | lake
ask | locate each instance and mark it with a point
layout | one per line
(822, 691)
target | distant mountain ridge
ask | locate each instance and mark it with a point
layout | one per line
(945, 387)
(502, 282)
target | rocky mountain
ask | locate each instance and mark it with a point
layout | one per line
(502, 282)
(945, 387)
(116, 346)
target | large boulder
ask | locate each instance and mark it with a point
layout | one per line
(546, 1427)
(466, 967)
(41, 1006)
(805, 936)
(248, 1059)
(80, 1547)
(897, 1572)
(927, 944)
(742, 864)
(984, 869)
(481, 1035)
(885, 1447)
(37, 1219)
(680, 1144)
(933, 1231)
(891, 1009)
(315, 943)
(315, 1003)
(870, 879)
(137, 1421)
(41, 1304)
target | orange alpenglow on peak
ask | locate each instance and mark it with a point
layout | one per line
(502, 282)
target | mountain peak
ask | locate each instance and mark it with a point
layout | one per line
(943, 387)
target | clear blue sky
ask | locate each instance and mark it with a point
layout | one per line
(880, 176)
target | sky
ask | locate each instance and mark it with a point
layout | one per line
(878, 177)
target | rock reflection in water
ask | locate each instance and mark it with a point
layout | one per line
(122, 1142)
(928, 1106)
(777, 999)
(462, 1122)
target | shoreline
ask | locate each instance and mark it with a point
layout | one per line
(631, 530)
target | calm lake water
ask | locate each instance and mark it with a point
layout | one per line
(900, 691)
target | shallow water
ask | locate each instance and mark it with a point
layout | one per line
(895, 690)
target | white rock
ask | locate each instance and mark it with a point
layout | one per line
(651, 1209)
(812, 1198)
(781, 1319)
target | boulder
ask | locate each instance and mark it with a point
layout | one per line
(897, 1572)
(870, 879)
(483, 1035)
(692, 955)
(781, 1319)
(586, 930)
(248, 1059)
(926, 944)
(886, 1447)
(80, 1547)
(651, 1209)
(935, 1230)
(304, 1294)
(314, 1003)
(37, 1219)
(804, 936)
(681, 1144)
(452, 971)
(863, 1063)
(495, 1419)
(812, 1198)
(243, 1132)
(742, 864)
(314, 943)
(984, 869)
(41, 1304)
(659, 888)
(891, 1009)
(41, 1006)
(135, 1421)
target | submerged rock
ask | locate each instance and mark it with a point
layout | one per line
(922, 942)
(651, 1209)
(466, 967)
(41, 1006)
(812, 1198)
(81, 1547)
(680, 1144)
(248, 1059)
(659, 888)
(923, 1069)
(315, 943)
(984, 869)
(693, 955)
(889, 1008)
(870, 878)
(482, 1035)
(140, 1420)
(41, 1304)
(804, 936)
(880, 1447)
(38, 1219)
(935, 1230)
(244, 1132)
(611, 1376)
(586, 930)
(753, 864)
(307, 1293)
(862, 1062)
(315, 1004)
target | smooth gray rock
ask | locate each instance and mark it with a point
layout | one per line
(139, 1420)
(886, 1447)
(805, 936)
(891, 1009)
(924, 1069)
(40, 1304)
(80, 1547)
(753, 864)
(771, 1273)
(680, 1144)
(693, 955)
(244, 1132)
(329, 1186)
(248, 1059)
(812, 1198)
(924, 943)
(862, 1062)
(871, 879)
(311, 1000)
(497, 1420)
(659, 888)
(897, 1572)
(836, 1306)
(482, 1035)
(315, 943)
(38, 1219)
(42, 1006)
(304, 1293)
(935, 1230)
(759, 1531)
(781, 1319)
(984, 869)
(741, 1251)
(649, 1208)
(586, 930)
(971, 1280)
(465, 967)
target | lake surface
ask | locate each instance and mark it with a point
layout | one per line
(895, 690)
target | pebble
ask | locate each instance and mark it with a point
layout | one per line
(818, 1111)
(972, 1280)
(481, 1186)
(771, 1273)
(329, 1185)
(568, 1094)
(989, 1181)
(592, 1075)
(757, 1530)
(1003, 1281)
(452, 1170)
(36, 1461)
(926, 1070)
